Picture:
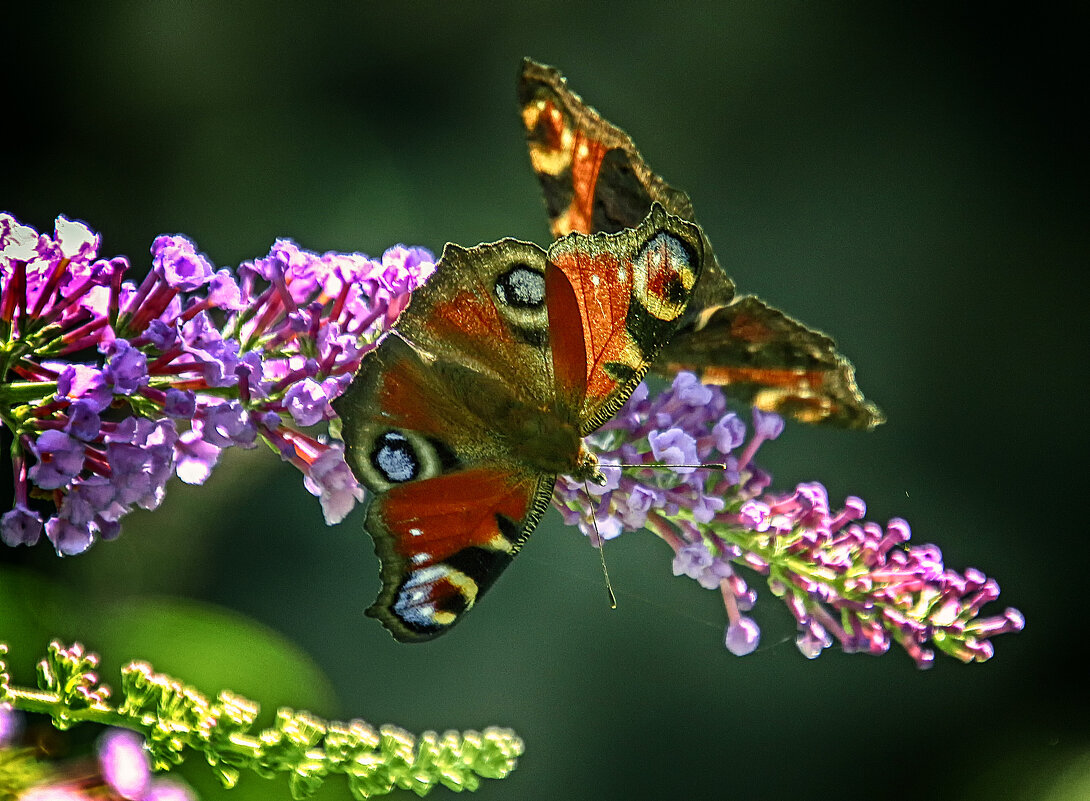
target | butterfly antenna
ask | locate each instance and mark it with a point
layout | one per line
(668, 466)
(594, 519)
(601, 547)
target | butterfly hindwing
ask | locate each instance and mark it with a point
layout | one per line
(770, 360)
(594, 179)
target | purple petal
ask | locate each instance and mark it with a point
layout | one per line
(83, 382)
(166, 790)
(227, 424)
(127, 368)
(83, 421)
(20, 526)
(76, 240)
(743, 636)
(766, 425)
(692, 560)
(195, 458)
(331, 479)
(729, 432)
(123, 763)
(224, 293)
(11, 724)
(176, 260)
(306, 401)
(68, 538)
(60, 459)
(674, 447)
(180, 404)
(688, 389)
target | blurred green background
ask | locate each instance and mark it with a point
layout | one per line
(910, 180)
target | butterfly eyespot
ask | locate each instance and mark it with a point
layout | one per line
(396, 457)
(432, 598)
(520, 298)
(665, 275)
(521, 287)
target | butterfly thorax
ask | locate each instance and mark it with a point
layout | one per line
(550, 444)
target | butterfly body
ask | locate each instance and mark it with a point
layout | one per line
(460, 420)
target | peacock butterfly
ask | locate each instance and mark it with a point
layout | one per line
(594, 179)
(462, 417)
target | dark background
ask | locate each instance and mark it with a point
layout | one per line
(911, 181)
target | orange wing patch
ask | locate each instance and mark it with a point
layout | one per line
(601, 294)
(434, 519)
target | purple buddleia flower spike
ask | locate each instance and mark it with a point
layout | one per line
(129, 383)
(843, 580)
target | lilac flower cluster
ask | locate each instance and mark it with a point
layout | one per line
(841, 578)
(121, 771)
(109, 386)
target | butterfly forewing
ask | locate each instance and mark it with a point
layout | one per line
(486, 310)
(629, 290)
(591, 173)
(592, 176)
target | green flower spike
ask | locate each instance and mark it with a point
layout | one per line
(174, 718)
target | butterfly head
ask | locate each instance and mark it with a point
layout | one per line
(587, 467)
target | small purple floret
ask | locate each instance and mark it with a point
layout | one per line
(196, 458)
(127, 368)
(68, 538)
(124, 764)
(176, 260)
(20, 526)
(83, 421)
(743, 636)
(767, 425)
(306, 402)
(83, 382)
(674, 447)
(60, 458)
(331, 479)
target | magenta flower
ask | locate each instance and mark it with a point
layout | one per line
(123, 763)
(843, 580)
(11, 724)
(121, 770)
(109, 387)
